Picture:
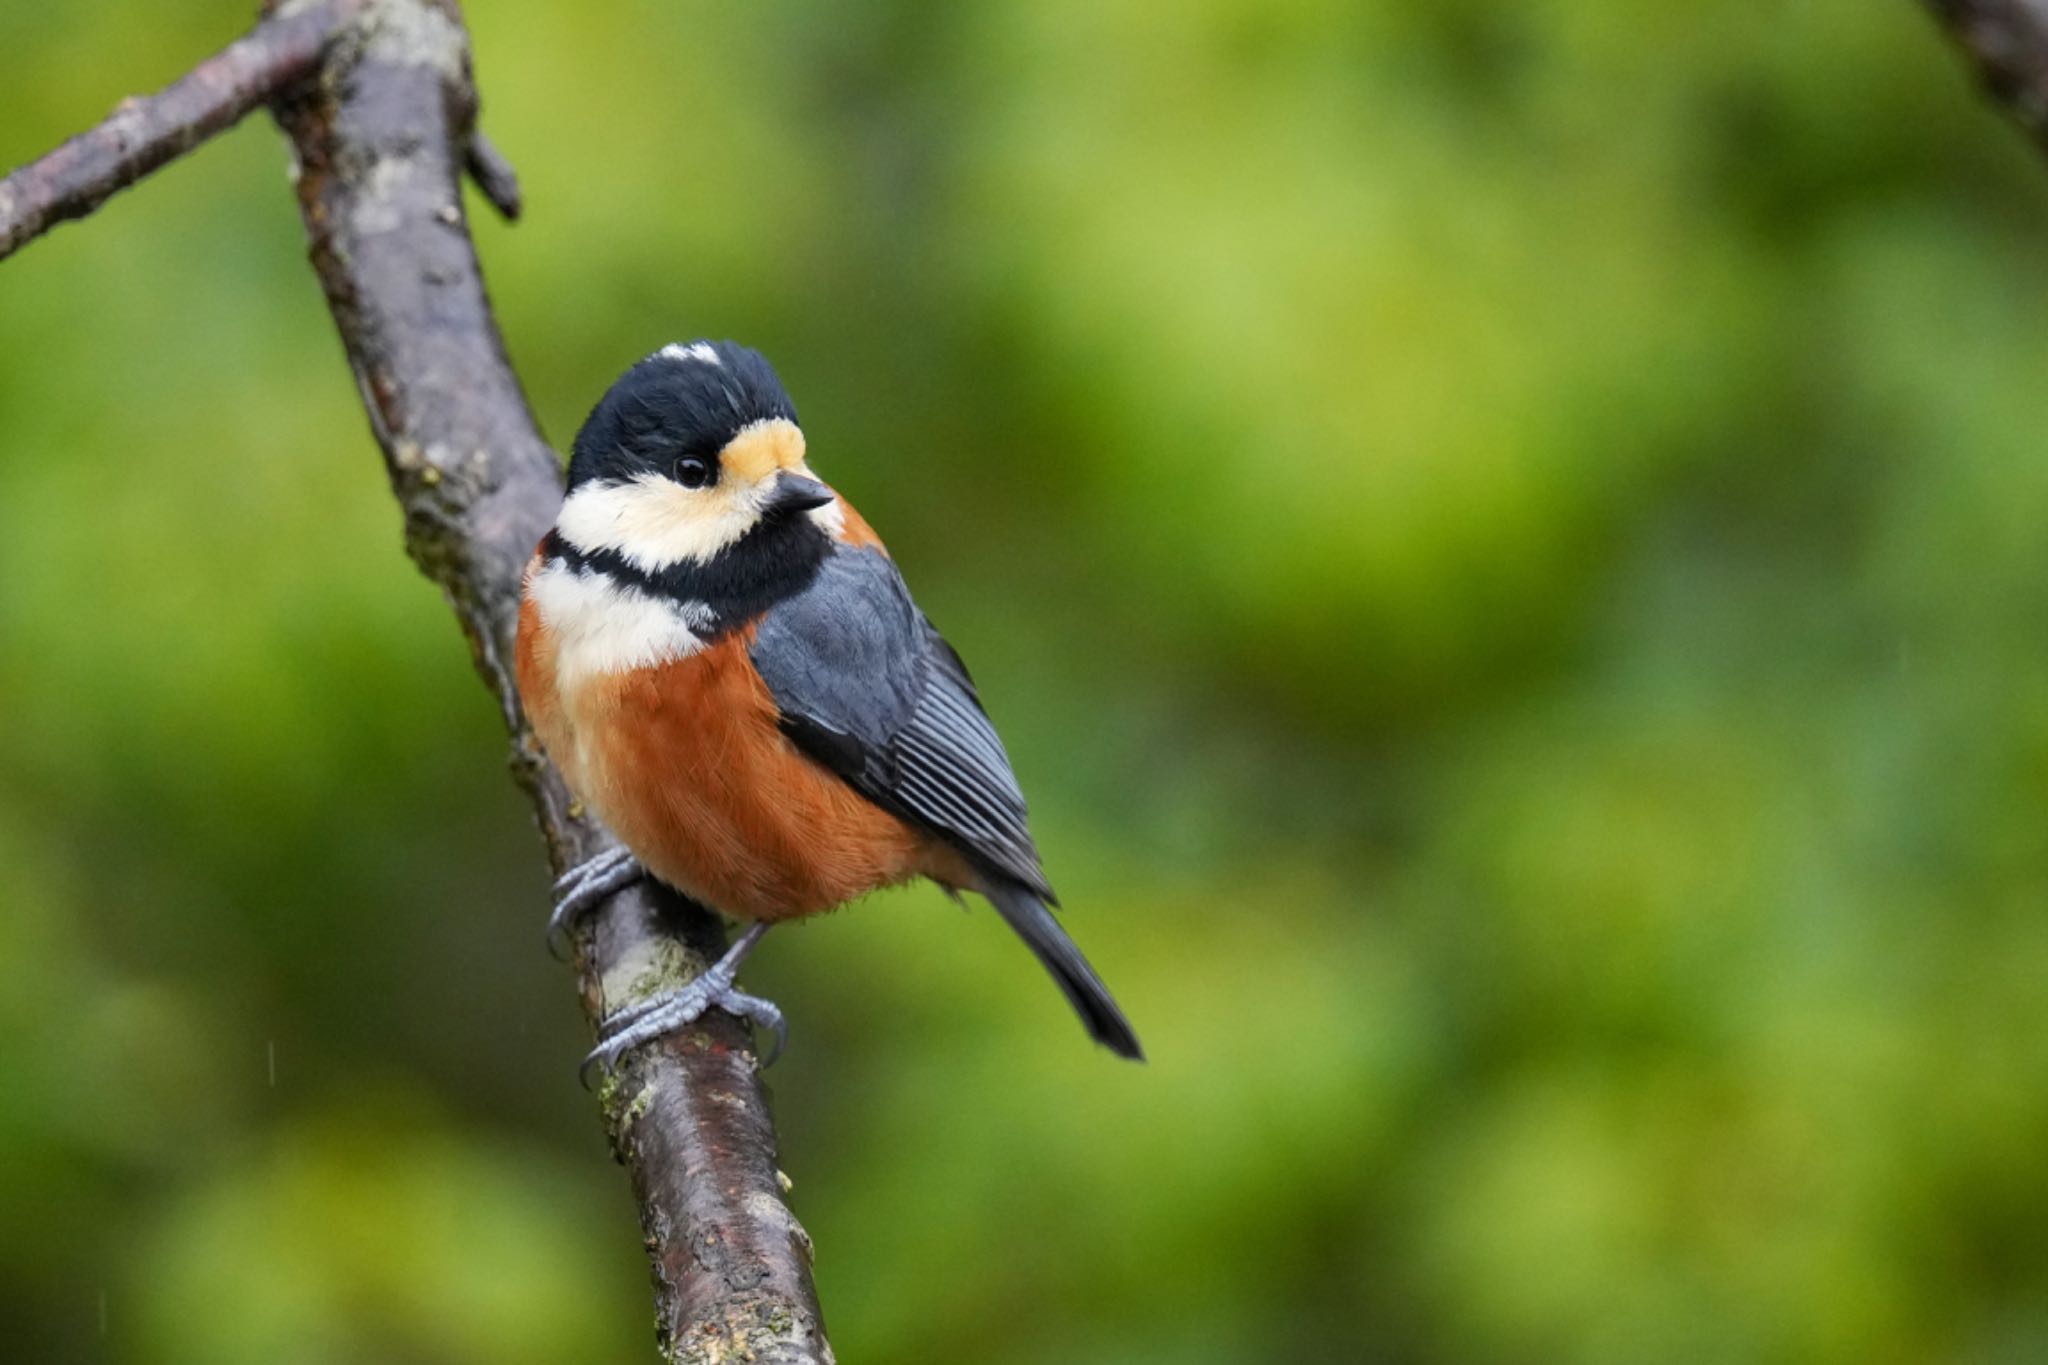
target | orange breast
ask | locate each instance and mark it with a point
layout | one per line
(685, 762)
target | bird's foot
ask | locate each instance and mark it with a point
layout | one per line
(578, 891)
(717, 988)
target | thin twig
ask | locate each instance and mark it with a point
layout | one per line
(144, 133)
(2008, 42)
(493, 175)
(377, 100)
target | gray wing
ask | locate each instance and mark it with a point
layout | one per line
(868, 688)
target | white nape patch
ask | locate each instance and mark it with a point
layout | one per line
(604, 626)
(696, 350)
(656, 523)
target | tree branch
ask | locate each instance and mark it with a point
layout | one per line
(142, 134)
(2008, 42)
(376, 98)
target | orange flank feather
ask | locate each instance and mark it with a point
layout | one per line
(856, 530)
(685, 761)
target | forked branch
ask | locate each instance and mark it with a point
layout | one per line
(377, 100)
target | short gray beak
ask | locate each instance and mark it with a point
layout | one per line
(795, 493)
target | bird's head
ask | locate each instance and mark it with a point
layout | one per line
(693, 458)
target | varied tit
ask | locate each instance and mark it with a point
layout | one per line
(722, 660)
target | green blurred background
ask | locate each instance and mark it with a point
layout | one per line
(1507, 543)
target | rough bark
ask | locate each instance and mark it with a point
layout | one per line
(377, 101)
(142, 134)
(2007, 41)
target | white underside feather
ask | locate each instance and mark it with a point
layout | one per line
(603, 626)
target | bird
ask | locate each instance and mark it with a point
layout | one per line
(721, 658)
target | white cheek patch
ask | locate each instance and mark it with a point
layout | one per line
(602, 626)
(653, 523)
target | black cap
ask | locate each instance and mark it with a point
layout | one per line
(685, 399)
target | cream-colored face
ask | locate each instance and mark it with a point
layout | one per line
(654, 522)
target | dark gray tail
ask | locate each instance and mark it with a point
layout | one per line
(1034, 924)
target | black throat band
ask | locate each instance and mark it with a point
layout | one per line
(775, 560)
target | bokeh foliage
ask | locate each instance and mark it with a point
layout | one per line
(1506, 542)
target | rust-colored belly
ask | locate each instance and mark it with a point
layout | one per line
(685, 762)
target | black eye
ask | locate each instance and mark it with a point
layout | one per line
(691, 471)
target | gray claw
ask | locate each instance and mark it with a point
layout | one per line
(649, 1019)
(679, 1010)
(578, 891)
